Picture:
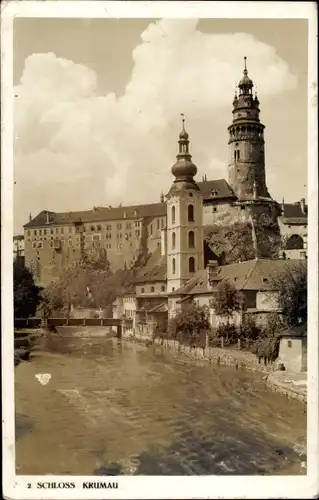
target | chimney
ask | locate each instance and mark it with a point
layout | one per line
(303, 205)
(162, 197)
(211, 269)
(30, 217)
(48, 217)
(283, 205)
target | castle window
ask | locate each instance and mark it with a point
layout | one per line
(119, 226)
(99, 228)
(289, 343)
(215, 209)
(163, 288)
(162, 223)
(190, 213)
(238, 154)
(92, 228)
(235, 154)
(173, 214)
(62, 230)
(51, 231)
(70, 229)
(128, 225)
(142, 290)
(173, 266)
(157, 223)
(173, 240)
(152, 289)
(191, 265)
(191, 239)
(151, 229)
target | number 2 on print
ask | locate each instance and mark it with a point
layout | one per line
(29, 485)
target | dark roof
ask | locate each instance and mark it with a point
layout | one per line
(154, 270)
(295, 331)
(249, 275)
(220, 187)
(99, 214)
(294, 211)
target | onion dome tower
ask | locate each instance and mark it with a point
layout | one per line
(184, 219)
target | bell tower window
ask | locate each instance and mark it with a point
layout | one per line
(173, 240)
(191, 213)
(173, 266)
(191, 265)
(191, 239)
(173, 214)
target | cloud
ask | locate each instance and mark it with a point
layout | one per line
(120, 149)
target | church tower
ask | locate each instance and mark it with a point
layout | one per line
(184, 219)
(246, 168)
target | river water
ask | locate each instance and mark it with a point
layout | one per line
(121, 408)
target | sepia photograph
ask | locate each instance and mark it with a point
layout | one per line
(161, 200)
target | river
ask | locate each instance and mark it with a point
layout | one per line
(121, 408)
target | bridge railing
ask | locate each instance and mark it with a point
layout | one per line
(36, 322)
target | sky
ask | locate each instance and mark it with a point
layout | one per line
(98, 104)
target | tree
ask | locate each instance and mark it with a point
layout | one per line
(227, 299)
(188, 323)
(292, 293)
(266, 345)
(26, 293)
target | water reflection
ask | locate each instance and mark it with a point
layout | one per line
(117, 408)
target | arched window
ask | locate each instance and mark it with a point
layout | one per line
(238, 154)
(191, 265)
(295, 242)
(173, 266)
(191, 239)
(190, 213)
(235, 154)
(173, 214)
(173, 240)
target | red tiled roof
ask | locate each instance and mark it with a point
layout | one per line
(216, 189)
(99, 214)
(254, 274)
(293, 211)
(154, 270)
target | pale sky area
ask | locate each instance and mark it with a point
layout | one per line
(98, 103)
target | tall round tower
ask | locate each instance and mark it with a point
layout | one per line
(246, 168)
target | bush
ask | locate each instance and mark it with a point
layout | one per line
(292, 287)
(266, 345)
(188, 324)
(26, 293)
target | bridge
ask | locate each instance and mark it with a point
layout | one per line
(24, 337)
(20, 323)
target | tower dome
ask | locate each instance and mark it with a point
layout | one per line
(184, 169)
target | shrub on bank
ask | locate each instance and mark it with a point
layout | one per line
(189, 325)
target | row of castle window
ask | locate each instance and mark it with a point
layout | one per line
(60, 230)
(191, 265)
(190, 214)
(236, 131)
(152, 289)
(191, 240)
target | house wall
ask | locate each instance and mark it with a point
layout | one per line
(267, 301)
(156, 288)
(293, 353)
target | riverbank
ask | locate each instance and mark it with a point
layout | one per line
(292, 385)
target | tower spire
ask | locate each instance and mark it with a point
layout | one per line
(184, 169)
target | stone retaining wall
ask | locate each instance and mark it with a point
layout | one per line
(277, 386)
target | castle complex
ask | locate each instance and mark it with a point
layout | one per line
(174, 227)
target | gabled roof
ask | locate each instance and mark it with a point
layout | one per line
(294, 211)
(216, 190)
(154, 270)
(255, 275)
(98, 214)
